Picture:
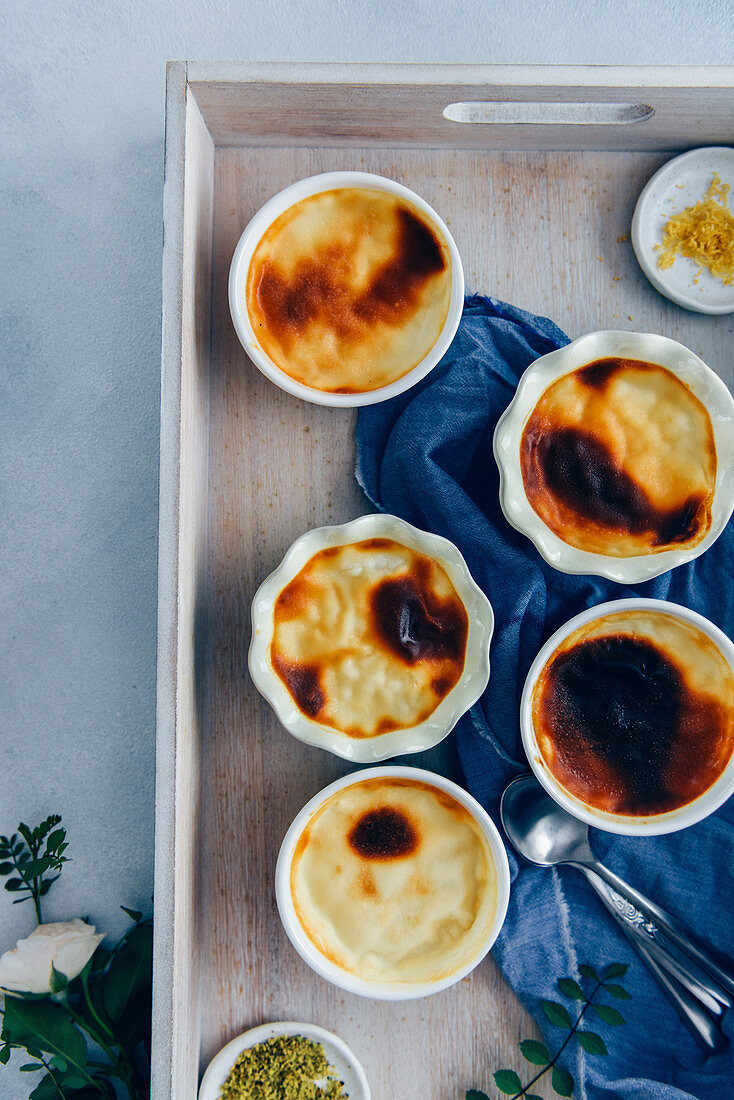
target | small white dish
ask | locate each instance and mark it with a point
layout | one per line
(383, 991)
(625, 824)
(682, 182)
(347, 1066)
(251, 237)
(471, 683)
(648, 347)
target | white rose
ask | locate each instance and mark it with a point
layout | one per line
(67, 945)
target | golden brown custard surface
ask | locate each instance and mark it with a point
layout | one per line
(618, 458)
(369, 637)
(348, 290)
(393, 881)
(634, 713)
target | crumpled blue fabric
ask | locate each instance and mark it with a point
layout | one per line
(427, 456)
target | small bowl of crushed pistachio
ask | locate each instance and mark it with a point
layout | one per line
(285, 1061)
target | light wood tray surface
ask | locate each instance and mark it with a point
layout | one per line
(246, 469)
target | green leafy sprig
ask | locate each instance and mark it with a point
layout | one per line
(21, 856)
(537, 1054)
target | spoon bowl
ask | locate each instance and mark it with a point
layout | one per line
(538, 828)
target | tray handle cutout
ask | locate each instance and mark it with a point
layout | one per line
(512, 113)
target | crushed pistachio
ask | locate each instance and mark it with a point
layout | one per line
(286, 1067)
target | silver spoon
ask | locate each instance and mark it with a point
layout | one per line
(545, 834)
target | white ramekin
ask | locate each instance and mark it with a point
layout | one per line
(627, 825)
(651, 348)
(383, 991)
(253, 233)
(470, 685)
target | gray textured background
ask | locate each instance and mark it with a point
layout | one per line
(82, 92)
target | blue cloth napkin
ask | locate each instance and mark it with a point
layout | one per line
(427, 456)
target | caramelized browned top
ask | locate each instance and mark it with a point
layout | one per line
(369, 637)
(619, 458)
(315, 291)
(623, 728)
(349, 289)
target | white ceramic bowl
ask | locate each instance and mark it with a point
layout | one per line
(253, 233)
(681, 182)
(327, 969)
(651, 348)
(336, 1050)
(628, 825)
(464, 694)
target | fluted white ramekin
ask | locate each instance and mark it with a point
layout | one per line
(470, 685)
(650, 348)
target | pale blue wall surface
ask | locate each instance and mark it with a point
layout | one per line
(82, 94)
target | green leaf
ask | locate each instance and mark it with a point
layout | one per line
(46, 1089)
(26, 833)
(130, 971)
(609, 1015)
(535, 1052)
(135, 1025)
(100, 958)
(45, 1025)
(556, 1013)
(507, 1081)
(475, 1094)
(14, 884)
(572, 989)
(532, 1096)
(30, 1067)
(59, 981)
(55, 840)
(617, 991)
(133, 914)
(591, 1042)
(562, 1081)
(34, 868)
(616, 970)
(7, 868)
(587, 971)
(4, 1055)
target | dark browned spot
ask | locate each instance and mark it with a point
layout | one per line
(598, 374)
(319, 288)
(579, 470)
(415, 624)
(383, 834)
(626, 729)
(377, 544)
(302, 681)
(441, 686)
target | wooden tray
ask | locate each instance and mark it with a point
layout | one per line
(539, 195)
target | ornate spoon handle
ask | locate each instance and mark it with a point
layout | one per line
(655, 925)
(699, 1009)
